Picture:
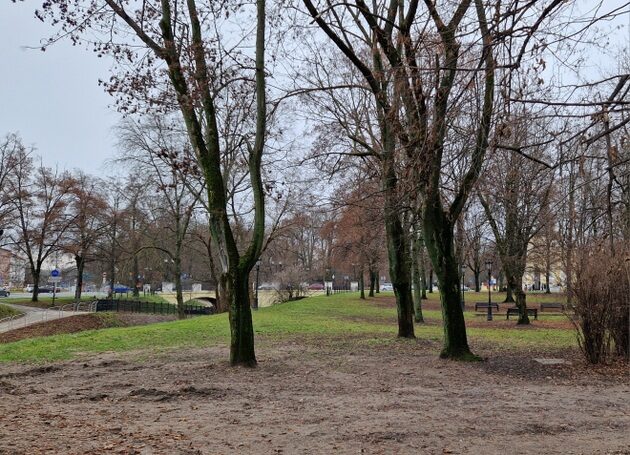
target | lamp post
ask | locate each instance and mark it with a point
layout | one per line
(489, 268)
(463, 269)
(257, 276)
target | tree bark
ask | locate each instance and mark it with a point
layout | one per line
(36, 274)
(417, 282)
(372, 282)
(361, 285)
(80, 261)
(178, 287)
(515, 281)
(438, 237)
(509, 296)
(236, 292)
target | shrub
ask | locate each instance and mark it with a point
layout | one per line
(601, 302)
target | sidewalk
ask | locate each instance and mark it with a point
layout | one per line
(32, 316)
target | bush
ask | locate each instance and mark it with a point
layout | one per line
(601, 301)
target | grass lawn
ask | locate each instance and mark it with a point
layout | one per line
(6, 311)
(373, 320)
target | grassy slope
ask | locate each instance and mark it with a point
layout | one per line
(46, 300)
(6, 311)
(328, 316)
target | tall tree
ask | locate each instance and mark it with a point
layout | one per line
(40, 198)
(186, 37)
(151, 146)
(87, 208)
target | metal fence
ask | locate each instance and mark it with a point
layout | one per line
(137, 306)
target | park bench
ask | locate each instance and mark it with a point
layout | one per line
(484, 306)
(549, 305)
(515, 312)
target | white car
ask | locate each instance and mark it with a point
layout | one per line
(387, 287)
(28, 288)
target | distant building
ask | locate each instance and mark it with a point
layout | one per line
(12, 269)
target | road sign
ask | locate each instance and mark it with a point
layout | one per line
(55, 276)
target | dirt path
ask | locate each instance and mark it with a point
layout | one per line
(313, 396)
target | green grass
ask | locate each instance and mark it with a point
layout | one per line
(46, 300)
(319, 316)
(6, 311)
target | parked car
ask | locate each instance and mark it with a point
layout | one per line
(28, 288)
(45, 290)
(387, 287)
(4, 293)
(121, 289)
(316, 287)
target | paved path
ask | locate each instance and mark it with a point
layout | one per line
(33, 315)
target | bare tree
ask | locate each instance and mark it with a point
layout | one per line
(151, 147)
(40, 196)
(186, 37)
(87, 208)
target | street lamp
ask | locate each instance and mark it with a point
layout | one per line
(257, 276)
(489, 268)
(463, 269)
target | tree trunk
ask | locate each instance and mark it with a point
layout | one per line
(362, 285)
(372, 282)
(398, 254)
(516, 282)
(378, 282)
(423, 272)
(36, 274)
(80, 261)
(509, 296)
(431, 281)
(178, 288)
(521, 303)
(438, 237)
(477, 274)
(547, 279)
(136, 273)
(236, 294)
(417, 282)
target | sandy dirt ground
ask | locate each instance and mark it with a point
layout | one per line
(314, 396)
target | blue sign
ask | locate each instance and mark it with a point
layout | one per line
(55, 273)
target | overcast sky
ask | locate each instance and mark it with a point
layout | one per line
(52, 99)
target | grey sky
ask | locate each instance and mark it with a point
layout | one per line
(52, 98)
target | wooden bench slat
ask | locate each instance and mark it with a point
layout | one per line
(484, 305)
(515, 311)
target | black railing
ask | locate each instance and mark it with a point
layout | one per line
(137, 306)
